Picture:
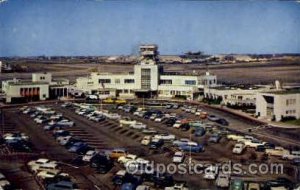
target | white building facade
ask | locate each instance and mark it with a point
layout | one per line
(40, 87)
(277, 105)
(147, 80)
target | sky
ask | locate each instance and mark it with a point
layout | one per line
(118, 27)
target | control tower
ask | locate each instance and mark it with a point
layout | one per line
(148, 54)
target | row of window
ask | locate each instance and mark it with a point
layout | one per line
(117, 81)
(186, 82)
(290, 111)
(290, 102)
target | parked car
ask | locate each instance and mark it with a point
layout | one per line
(127, 158)
(118, 152)
(178, 157)
(223, 180)
(51, 174)
(89, 155)
(127, 121)
(192, 148)
(122, 177)
(234, 137)
(199, 132)
(79, 148)
(156, 143)
(291, 155)
(165, 137)
(254, 143)
(238, 148)
(184, 141)
(184, 127)
(212, 118)
(277, 151)
(237, 184)
(149, 131)
(222, 122)
(102, 163)
(253, 186)
(279, 182)
(214, 138)
(211, 172)
(146, 140)
(62, 185)
(138, 125)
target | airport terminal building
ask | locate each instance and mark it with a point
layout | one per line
(40, 87)
(147, 80)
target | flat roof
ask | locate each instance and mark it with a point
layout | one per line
(293, 91)
(20, 83)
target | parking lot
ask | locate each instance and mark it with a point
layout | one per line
(108, 134)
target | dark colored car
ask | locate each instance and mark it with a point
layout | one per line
(163, 180)
(279, 182)
(71, 142)
(199, 132)
(269, 145)
(125, 177)
(222, 121)
(156, 143)
(260, 148)
(62, 185)
(128, 186)
(185, 127)
(102, 163)
(61, 133)
(296, 161)
(192, 148)
(19, 145)
(170, 122)
(79, 148)
(215, 138)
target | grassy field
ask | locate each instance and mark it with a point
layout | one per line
(293, 122)
(251, 73)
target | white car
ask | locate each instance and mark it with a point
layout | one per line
(246, 138)
(159, 119)
(211, 172)
(113, 116)
(66, 122)
(127, 158)
(177, 187)
(178, 157)
(198, 113)
(193, 110)
(223, 180)
(277, 151)
(291, 155)
(51, 174)
(146, 140)
(165, 136)
(138, 125)
(89, 155)
(4, 184)
(143, 187)
(234, 137)
(177, 124)
(63, 139)
(126, 121)
(153, 116)
(254, 143)
(15, 136)
(238, 148)
(184, 141)
(44, 167)
(40, 162)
